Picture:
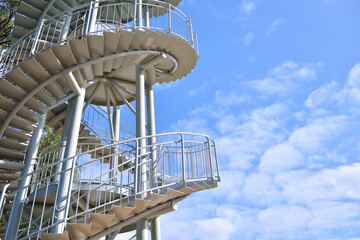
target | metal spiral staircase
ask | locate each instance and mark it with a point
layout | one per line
(72, 63)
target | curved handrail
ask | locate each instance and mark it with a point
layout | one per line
(184, 158)
(164, 17)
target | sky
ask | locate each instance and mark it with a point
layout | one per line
(277, 86)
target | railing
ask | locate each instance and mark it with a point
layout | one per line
(96, 119)
(156, 15)
(114, 174)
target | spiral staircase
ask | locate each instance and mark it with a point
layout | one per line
(62, 50)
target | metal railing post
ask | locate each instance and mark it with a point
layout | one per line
(93, 11)
(191, 32)
(169, 17)
(37, 36)
(30, 161)
(183, 158)
(210, 160)
(217, 162)
(136, 168)
(65, 29)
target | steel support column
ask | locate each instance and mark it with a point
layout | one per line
(155, 223)
(115, 159)
(30, 161)
(93, 11)
(65, 184)
(141, 225)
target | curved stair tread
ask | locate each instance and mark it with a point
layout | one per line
(78, 230)
(122, 212)
(52, 236)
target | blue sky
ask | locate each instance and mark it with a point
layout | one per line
(277, 86)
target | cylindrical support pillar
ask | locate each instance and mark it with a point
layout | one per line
(139, 14)
(155, 224)
(115, 158)
(141, 225)
(65, 29)
(64, 135)
(93, 12)
(155, 229)
(30, 161)
(65, 184)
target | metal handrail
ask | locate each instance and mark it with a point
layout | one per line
(164, 17)
(171, 169)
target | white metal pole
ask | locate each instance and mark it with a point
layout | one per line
(139, 14)
(94, 8)
(115, 159)
(19, 201)
(65, 29)
(155, 224)
(141, 225)
(65, 184)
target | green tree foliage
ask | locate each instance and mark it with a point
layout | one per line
(8, 9)
(48, 138)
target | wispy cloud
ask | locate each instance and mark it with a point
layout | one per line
(248, 38)
(247, 7)
(283, 79)
(274, 25)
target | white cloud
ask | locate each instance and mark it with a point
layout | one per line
(312, 137)
(281, 158)
(248, 38)
(278, 221)
(247, 6)
(214, 229)
(321, 95)
(284, 78)
(274, 25)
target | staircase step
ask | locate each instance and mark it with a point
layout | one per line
(79, 230)
(8, 165)
(48, 59)
(123, 212)
(11, 155)
(13, 186)
(25, 22)
(158, 198)
(173, 193)
(8, 105)
(27, 83)
(15, 93)
(17, 123)
(197, 187)
(186, 190)
(14, 145)
(53, 236)
(125, 40)
(206, 186)
(37, 72)
(9, 176)
(100, 222)
(81, 53)
(65, 55)
(138, 39)
(96, 49)
(111, 41)
(141, 205)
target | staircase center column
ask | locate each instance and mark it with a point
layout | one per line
(19, 201)
(155, 223)
(66, 178)
(141, 225)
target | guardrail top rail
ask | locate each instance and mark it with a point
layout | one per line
(110, 17)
